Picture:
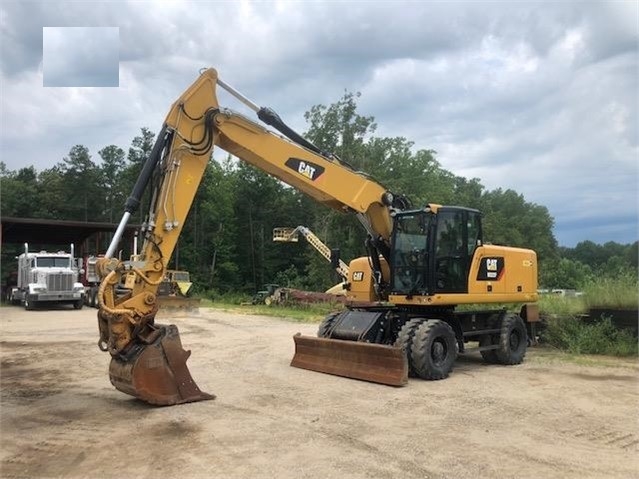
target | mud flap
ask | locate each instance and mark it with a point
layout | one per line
(157, 372)
(376, 363)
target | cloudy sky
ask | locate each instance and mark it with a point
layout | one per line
(540, 97)
(80, 56)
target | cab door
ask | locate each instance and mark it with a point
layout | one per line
(457, 234)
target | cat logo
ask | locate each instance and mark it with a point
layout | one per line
(491, 269)
(305, 168)
(358, 276)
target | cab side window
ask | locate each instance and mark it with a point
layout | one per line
(451, 257)
(474, 232)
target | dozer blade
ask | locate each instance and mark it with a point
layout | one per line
(172, 305)
(352, 359)
(157, 372)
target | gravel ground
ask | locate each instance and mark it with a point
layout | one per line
(61, 418)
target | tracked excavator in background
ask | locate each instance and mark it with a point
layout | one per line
(403, 296)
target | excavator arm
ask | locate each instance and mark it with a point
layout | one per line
(148, 360)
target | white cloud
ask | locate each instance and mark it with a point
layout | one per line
(537, 97)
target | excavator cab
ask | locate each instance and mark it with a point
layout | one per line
(432, 249)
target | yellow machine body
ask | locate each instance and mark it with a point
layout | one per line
(148, 361)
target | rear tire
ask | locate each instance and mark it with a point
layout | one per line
(405, 340)
(490, 356)
(513, 340)
(434, 349)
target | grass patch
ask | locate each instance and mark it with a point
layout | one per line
(311, 313)
(577, 337)
(549, 355)
(554, 306)
(621, 292)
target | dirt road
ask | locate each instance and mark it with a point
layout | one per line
(61, 418)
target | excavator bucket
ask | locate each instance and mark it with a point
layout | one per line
(157, 372)
(376, 363)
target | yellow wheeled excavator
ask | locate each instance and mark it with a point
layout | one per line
(402, 316)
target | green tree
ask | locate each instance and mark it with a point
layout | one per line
(19, 191)
(261, 203)
(607, 260)
(112, 170)
(141, 147)
(564, 273)
(85, 199)
(53, 195)
(510, 220)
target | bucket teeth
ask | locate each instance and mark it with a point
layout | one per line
(157, 372)
(376, 363)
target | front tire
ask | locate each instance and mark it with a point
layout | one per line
(325, 327)
(28, 304)
(405, 340)
(434, 349)
(78, 304)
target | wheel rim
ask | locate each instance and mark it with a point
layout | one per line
(438, 351)
(514, 340)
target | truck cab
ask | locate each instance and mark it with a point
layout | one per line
(45, 277)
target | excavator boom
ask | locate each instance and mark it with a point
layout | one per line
(148, 360)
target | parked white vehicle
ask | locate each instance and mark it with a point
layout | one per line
(47, 277)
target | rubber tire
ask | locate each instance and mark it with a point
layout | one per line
(405, 340)
(325, 326)
(28, 305)
(489, 339)
(489, 356)
(78, 304)
(427, 336)
(94, 298)
(513, 340)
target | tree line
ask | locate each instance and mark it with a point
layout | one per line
(226, 243)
